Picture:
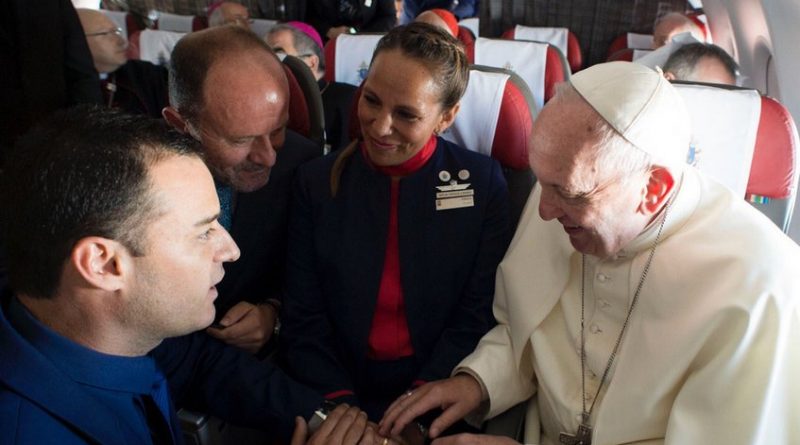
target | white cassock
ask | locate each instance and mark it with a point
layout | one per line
(712, 351)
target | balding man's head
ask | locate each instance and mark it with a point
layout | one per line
(229, 91)
(194, 56)
(441, 19)
(229, 13)
(671, 25)
(105, 40)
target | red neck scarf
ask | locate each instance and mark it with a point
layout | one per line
(410, 165)
(389, 338)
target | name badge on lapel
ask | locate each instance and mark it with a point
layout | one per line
(454, 195)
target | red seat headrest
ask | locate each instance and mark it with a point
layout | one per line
(298, 110)
(773, 169)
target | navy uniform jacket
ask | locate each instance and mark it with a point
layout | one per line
(41, 403)
(447, 265)
(374, 16)
(337, 103)
(259, 228)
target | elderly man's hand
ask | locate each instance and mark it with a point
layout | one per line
(457, 396)
(345, 425)
(247, 326)
(474, 439)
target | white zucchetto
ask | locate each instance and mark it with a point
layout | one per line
(641, 105)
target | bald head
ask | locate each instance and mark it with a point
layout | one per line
(198, 53)
(670, 26)
(432, 18)
(106, 43)
(230, 13)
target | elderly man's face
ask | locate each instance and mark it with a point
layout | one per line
(173, 284)
(106, 42)
(235, 14)
(598, 208)
(282, 42)
(243, 120)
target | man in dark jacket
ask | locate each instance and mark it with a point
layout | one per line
(136, 86)
(229, 91)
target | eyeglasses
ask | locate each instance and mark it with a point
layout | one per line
(281, 53)
(239, 20)
(117, 31)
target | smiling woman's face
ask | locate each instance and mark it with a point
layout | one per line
(399, 109)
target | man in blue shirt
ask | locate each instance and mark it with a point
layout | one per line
(110, 227)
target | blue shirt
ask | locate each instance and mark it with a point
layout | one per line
(131, 388)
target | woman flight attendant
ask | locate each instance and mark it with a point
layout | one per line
(394, 241)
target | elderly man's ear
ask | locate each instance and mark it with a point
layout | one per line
(174, 119)
(658, 189)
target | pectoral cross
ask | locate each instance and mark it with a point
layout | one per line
(582, 437)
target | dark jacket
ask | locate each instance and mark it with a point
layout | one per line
(260, 221)
(140, 87)
(447, 265)
(379, 16)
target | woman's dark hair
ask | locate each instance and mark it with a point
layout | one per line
(438, 50)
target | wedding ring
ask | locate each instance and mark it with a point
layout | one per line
(385, 441)
(409, 392)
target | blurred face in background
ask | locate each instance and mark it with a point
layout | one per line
(106, 42)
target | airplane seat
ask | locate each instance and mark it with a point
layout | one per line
(133, 51)
(176, 22)
(471, 23)
(124, 20)
(465, 36)
(629, 40)
(306, 114)
(562, 38)
(261, 26)
(347, 57)
(698, 19)
(628, 55)
(745, 141)
(540, 64)
(772, 185)
(153, 45)
(495, 119)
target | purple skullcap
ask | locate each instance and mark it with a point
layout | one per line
(308, 30)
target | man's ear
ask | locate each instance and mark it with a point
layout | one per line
(175, 120)
(313, 63)
(658, 189)
(101, 262)
(448, 116)
(669, 76)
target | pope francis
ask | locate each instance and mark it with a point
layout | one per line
(640, 302)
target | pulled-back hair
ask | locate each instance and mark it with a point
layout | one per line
(193, 56)
(439, 51)
(82, 172)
